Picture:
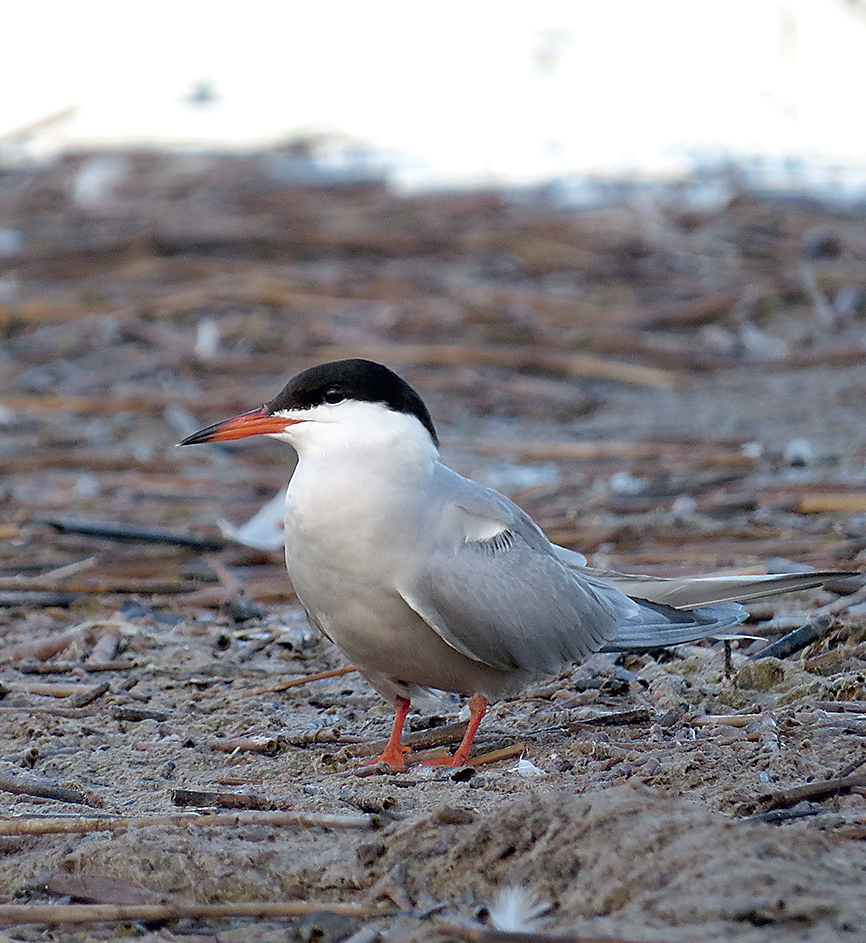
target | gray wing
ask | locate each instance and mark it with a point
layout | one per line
(493, 587)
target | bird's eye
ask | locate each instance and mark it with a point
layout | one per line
(334, 394)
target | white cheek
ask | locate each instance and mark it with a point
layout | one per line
(356, 431)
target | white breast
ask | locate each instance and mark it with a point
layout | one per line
(355, 515)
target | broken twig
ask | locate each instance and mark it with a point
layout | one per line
(24, 783)
(59, 914)
(296, 682)
(83, 825)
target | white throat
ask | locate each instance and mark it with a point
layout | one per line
(355, 498)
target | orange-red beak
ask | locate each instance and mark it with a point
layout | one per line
(255, 422)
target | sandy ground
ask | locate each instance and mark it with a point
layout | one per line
(637, 796)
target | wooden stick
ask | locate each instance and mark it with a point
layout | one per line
(296, 682)
(840, 605)
(72, 712)
(856, 707)
(23, 783)
(87, 697)
(135, 714)
(105, 647)
(118, 531)
(793, 641)
(637, 715)
(47, 689)
(64, 667)
(267, 745)
(822, 789)
(852, 502)
(81, 825)
(494, 756)
(95, 588)
(820, 621)
(849, 768)
(38, 599)
(71, 569)
(727, 720)
(774, 816)
(223, 800)
(43, 648)
(58, 914)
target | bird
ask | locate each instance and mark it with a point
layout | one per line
(432, 582)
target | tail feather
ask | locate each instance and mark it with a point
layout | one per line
(676, 610)
(660, 626)
(689, 592)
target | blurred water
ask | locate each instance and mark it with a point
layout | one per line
(455, 93)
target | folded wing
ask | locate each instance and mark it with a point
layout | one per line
(498, 591)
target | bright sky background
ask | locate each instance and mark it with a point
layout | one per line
(488, 89)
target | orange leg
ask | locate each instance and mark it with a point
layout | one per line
(477, 709)
(394, 750)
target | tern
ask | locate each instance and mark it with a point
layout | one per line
(429, 581)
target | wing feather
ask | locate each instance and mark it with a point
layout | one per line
(493, 588)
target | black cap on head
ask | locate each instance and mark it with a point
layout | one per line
(355, 379)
